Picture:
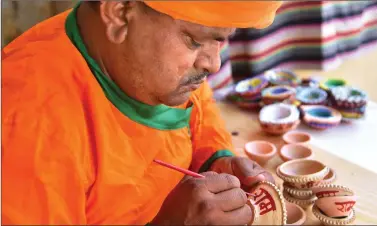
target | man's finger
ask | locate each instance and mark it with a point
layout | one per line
(221, 182)
(231, 199)
(246, 169)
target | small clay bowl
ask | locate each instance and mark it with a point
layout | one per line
(348, 97)
(278, 94)
(282, 77)
(303, 194)
(279, 118)
(330, 190)
(337, 206)
(260, 151)
(320, 117)
(296, 137)
(302, 173)
(251, 86)
(311, 96)
(295, 214)
(334, 221)
(329, 178)
(303, 203)
(295, 151)
(332, 82)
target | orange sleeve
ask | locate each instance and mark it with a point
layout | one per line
(210, 138)
(43, 180)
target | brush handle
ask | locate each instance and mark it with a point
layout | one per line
(185, 171)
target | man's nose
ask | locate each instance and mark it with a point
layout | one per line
(209, 59)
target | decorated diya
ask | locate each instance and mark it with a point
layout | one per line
(320, 117)
(282, 77)
(279, 118)
(330, 190)
(336, 206)
(252, 86)
(348, 97)
(295, 151)
(277, 94)
(295, 214)
(260, 151)
(302, 173)
(296, 137)
(268, 204)
(311, 96)
(334, 221)
(302, 194)
(331, 83)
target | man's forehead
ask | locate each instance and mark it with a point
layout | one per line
(216, 33)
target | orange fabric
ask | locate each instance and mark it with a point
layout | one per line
(238, 14)
(69, 156)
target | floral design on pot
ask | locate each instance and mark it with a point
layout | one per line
(296, 137)
(277, 94)
(331, 83)
(260, 151)
(268, 203)
(311, 96)
(282, 77)
(279, 118)
(302, 173)
(296, 215)
(320, 117)
(295, 151)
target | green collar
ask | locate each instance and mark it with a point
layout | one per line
(159, 117)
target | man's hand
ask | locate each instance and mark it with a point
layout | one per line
(216, 199)
(246, 170)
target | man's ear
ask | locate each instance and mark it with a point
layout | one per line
(115, 16)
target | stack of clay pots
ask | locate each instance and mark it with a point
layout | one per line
(334, 204)
(349, 101)
(299, 176)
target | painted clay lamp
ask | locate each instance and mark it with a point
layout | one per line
(295, 151)
(260, 151)
(277, 94)
(279, 118)
(282, 77)
(296, 137)
(331, 83)
(311, 96)
(251, 87)
(320, 117)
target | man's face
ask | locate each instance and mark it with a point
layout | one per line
(166, 59)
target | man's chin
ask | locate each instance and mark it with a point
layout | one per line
(177, 100)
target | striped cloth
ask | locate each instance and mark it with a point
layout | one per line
(316, 35)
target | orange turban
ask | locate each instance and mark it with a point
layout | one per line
(237, 14)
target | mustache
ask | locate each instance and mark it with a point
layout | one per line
(195, 79)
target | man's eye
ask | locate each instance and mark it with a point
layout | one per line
(195, 44)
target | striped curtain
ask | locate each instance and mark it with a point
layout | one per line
(317, 35)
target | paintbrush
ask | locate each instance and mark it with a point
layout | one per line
(184, 171)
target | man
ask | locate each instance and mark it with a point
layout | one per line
(92, 96)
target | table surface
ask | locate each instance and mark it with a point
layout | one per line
(362, 181)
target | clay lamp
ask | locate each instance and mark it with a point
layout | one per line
(331, 83)
(295, 151)
(302, 173)
(282, 77)
(320, 117)
(331, 190)
(260, 151)
(299, 194)
(336, 206)
(278, 94)
(295, 214)
(279, 118)
(252, 87)
(311, 96)
(334, 221)
(296, 137)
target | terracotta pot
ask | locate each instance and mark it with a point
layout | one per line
(303, 194)
(302, 173)
(296, 137)
(295, 151)
(330, 190)
(260, 151)
(296, 215)
(320, 117)
(282, 77)
(334, 221)
(279, 118)
(336, 206)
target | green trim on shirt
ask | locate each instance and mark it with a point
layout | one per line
(219, 154)
(160, 117)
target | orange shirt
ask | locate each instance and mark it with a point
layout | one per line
(78, 150)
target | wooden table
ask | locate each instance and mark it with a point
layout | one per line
(360, 180)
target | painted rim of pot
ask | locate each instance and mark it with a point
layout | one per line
(349, 94)
(265, 115)
(303, 95)
(275, 76)
(316, 176)
(332, 82)
(255, 84)
(330, 115)
(278, 91)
